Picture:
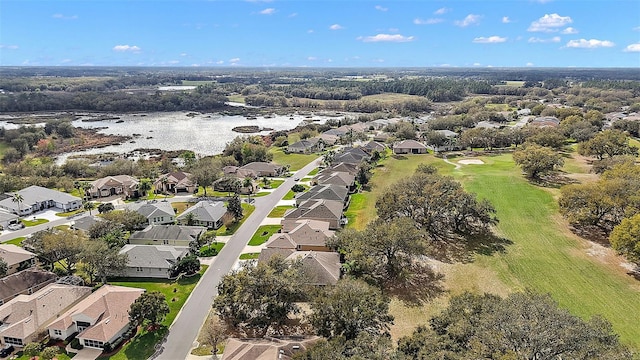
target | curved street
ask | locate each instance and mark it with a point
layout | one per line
(185, 328)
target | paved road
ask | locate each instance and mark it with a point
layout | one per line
(185, 328)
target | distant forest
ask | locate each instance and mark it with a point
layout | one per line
(124, 89)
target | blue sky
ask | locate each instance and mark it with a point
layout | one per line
(330, 33)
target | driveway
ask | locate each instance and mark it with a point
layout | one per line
(185, 328)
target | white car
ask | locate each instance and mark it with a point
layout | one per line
(16, 226)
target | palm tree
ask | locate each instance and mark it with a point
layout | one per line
(17, 198)
(85, 186)
(191, 219)
(144, 186)
(164, 182)
(248, 183)
(89, 206)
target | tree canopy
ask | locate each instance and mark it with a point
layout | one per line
(150, 308)
(536, 160)
(625, 238)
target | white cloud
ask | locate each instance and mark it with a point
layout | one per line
(506, 20)
(310, 31)
(9, 47)
(471, 19)
(378, 60)
(476, 64)
(220, 62)
(569, 31)
(554, 39)
(183, 54)
(386, 38)
(173, 62)
(441, 11)
(589, 44)
(268, 11)
(234, 60)
(380, 8)
(489, 40)
(336, 27)
(292, 15)
(432, 21)
(632, 48)
(63, 17)
(66, 61)
(312, 58)
(549, 23)
(126, 48)
(637, 28)
(529, 64)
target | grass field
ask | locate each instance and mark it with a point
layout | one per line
(236, 98)
(544, 256)
(249, 256)
(279, 211)
(17, 241)
(390, 97)
(246, 210)
(263, 234)
(34, 222)
(197, 82)
(142, 346)
(295, 161)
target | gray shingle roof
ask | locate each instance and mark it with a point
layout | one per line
(154, 256)
(33, 195)
(325, 191)
(169, 232)
(206, 211)
(150, 210)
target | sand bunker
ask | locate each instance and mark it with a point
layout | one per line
(471, 162)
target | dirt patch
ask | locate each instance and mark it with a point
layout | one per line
(471, 162)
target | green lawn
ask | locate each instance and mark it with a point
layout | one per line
(272, 184)
(290, 195)
(295, 161)
(142, 345)
(279, 211)
(61, 356)
(70, 213)
(249, 256)
(17, 241)
(544, 256)
(216, 245)
(263, 234)
(35, 222)
(261, 194)
(314, 172)
(236, 98)
(224, 231)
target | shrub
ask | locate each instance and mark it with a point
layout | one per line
(208, 252)
(75, 344)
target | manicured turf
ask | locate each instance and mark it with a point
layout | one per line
(296, 161)
(34, 222)
(314, 172)
(246, 210)
(249, 256)
(69, 213)
(17, 241)
(279, 211)
(544, 256)
(142, 346)
(263, 234)
(273, 184)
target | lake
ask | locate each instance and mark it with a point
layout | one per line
(205, 134)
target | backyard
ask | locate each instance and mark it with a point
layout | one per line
(263, 234)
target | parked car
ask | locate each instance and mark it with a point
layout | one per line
(6, 351)
(16, 226)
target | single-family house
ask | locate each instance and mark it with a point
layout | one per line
(17, 258)
(99, 318)
(25, 317)
(24, 282)
(318, 267)
(157, 212)
(240, 173)
(124, 185)
(373, 145)
(302, 235)
(36, 198)
(175, 182)
(409, 147)
(450, 143)
(339, 132)
(381, 136)
(85, 223)
(7, 218)
(152, 261)
(265, 169)
(545, 121)
(335, 178)
(204, 213)
(358, 127)
(266, 348)
(343, 167)
(352, 156)
(488, 125)
(175, 235)
(327, 192)
(328, 139)
(306, 146)
(524, 112)
(322, 210)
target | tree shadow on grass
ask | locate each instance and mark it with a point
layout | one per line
(465, 250)
(555, 181)
(421, 285)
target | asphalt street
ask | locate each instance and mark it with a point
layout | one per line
(184, 330)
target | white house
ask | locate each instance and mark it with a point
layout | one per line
(36, 198)
(152, 261)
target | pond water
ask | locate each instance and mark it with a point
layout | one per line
(205, 134)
